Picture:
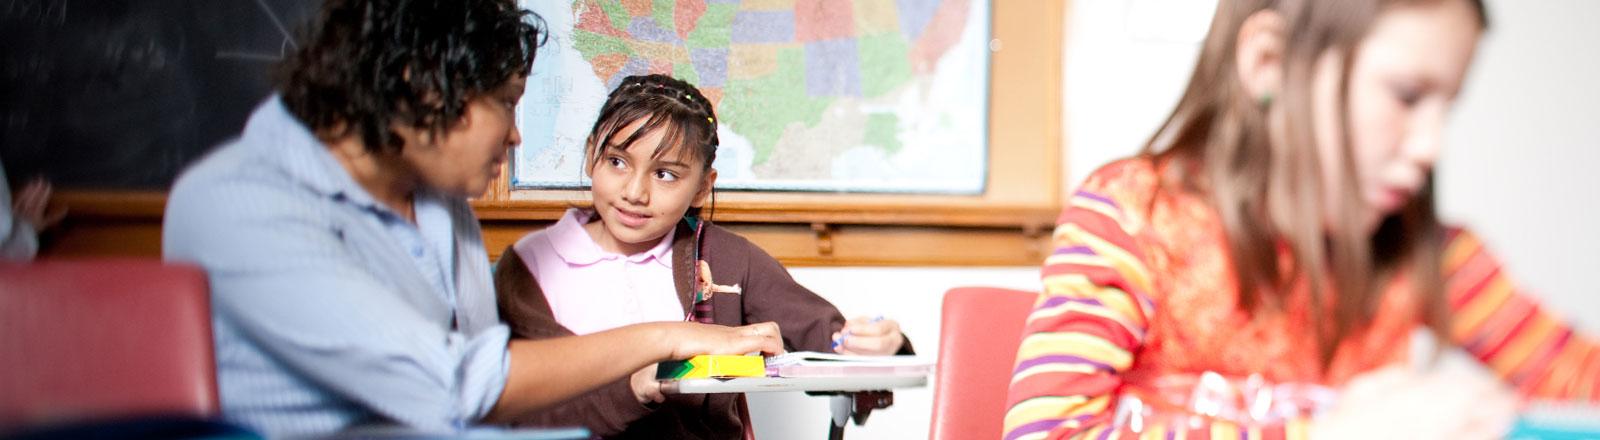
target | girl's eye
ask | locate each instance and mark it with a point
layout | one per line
(616, 162)
(1409, 96)
(667, 176)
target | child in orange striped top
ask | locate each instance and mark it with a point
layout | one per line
(1277, 239)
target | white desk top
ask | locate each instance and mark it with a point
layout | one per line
(817, 384)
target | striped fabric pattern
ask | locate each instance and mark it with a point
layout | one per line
(1094, 316)
(1083, 329)
(1510, 333)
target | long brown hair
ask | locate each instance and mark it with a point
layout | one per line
(1271, 195)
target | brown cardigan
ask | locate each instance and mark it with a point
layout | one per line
(769, 294)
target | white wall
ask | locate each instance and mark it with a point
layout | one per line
(1126, 65)
(1522, 169)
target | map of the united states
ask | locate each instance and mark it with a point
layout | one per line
(801, 82)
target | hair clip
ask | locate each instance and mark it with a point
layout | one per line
(712, 121)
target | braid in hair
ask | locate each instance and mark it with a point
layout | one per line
(663, 103)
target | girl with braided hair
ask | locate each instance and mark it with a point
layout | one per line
(643, 253)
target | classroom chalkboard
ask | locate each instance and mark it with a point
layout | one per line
(122, 94)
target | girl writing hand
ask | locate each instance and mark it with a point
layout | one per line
(869, 336)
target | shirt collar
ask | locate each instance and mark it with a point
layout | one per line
(573, 244)
(304, 158)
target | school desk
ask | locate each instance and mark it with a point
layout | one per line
(853, 396)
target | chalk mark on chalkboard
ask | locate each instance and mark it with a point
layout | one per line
(287, 45)
(38, 12)
(289, 38)
(247, 56)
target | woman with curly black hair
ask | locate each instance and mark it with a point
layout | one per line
(349, 281)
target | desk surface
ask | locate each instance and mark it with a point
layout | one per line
(478, 433)
(771, 384)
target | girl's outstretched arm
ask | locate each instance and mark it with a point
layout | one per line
(1510, 333)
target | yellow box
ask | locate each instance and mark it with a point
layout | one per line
(718, 365)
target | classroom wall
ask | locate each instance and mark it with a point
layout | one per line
(1522, 163)
(1524, 144)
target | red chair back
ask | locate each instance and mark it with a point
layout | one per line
(979, 334)
(104, 339)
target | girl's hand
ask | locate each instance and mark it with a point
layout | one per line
(864, 336)
(645, 386)
(1398, 402)
(32, 203)
(690, 339)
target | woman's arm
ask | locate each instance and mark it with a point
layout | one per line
(548, 371)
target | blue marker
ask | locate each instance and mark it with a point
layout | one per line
(839, 341)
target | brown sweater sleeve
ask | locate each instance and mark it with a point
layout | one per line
(605, 411)
(806, 320)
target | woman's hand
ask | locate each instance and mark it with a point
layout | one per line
(1398, 402)
(863, 336)
(690, 339)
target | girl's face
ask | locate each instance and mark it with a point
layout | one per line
(640, 198)
(465, 159)
(1403, 80)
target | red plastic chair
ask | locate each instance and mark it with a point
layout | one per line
(980, 331)
(82, 341)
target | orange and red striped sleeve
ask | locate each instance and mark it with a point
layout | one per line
(1087, 322)
(1510, 332)
(1084, 331)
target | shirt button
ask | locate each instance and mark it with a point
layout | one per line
(416, 251)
